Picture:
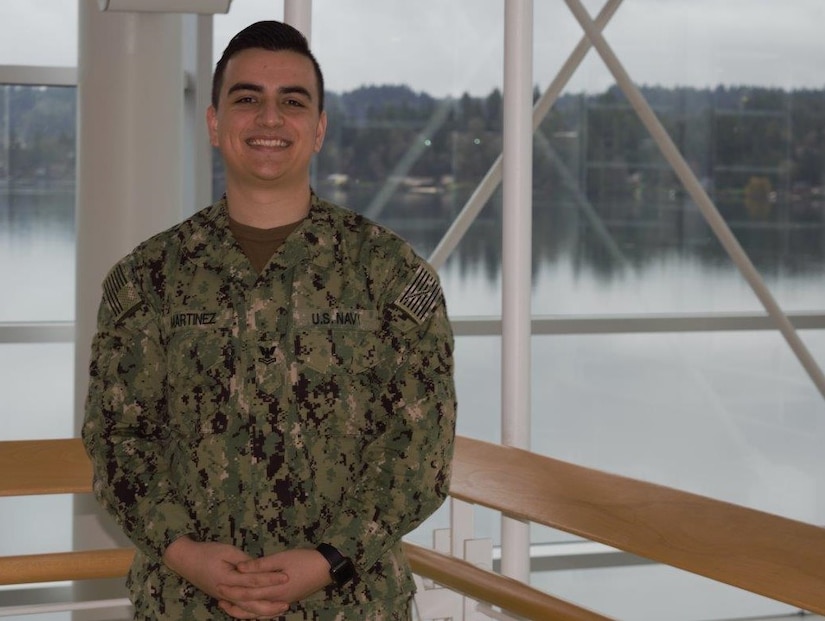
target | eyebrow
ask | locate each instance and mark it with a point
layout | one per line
(257, 88)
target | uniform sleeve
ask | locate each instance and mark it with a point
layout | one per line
(123, 430)
(408, 466)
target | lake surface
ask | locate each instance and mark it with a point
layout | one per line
(729, 415)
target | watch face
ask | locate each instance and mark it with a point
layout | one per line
(343, 572)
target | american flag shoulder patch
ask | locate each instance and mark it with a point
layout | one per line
(119, 293)
(421, 295)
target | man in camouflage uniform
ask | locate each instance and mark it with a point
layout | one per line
(271, 403)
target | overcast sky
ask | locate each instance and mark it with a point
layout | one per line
(447, 47)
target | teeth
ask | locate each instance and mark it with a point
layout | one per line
(263, 142)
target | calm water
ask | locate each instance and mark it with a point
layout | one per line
(727, 415)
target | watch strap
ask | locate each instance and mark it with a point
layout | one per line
(341, 568)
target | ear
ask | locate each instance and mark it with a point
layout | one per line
(212, 125)
(320, 131)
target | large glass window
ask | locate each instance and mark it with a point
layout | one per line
(415, 123)
(37, 195)
(42, 33)
(415, 110)
(37, 259)
(37, 190)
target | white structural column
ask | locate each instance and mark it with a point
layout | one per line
(517, 252)
(298, 13)
(130, 183)
(197, 150)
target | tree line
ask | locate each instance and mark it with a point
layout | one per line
(760, 151)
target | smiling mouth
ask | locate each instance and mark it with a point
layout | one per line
(268, 142)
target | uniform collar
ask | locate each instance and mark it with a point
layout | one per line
(316, 240)
(213, 247)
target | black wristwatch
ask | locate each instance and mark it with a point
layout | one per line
(340, 568)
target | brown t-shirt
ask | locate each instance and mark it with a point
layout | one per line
(260, 244)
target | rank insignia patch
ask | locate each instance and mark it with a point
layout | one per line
(120, 294)
(422, 294)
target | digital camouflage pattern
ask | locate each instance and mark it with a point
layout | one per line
(311, 403)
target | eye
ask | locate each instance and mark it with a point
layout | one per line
(295, 103)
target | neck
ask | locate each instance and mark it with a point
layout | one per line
(267, 209)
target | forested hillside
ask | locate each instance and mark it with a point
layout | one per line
(753, 147)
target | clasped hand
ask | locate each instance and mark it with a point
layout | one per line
(245, 587)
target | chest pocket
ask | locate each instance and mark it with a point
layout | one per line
(334, 342)
(333, 352)
(337, 381)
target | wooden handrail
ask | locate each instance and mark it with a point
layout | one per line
(766, 554)
(447, 571)
(61, 466)
(763, 553)
(486, 586)
(32, 467)
(61, 566)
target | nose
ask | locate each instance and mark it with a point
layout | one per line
(270, 115)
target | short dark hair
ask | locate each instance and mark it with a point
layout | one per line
(267, 35)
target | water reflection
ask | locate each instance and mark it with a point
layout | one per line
(656, 262)
(37, 244)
